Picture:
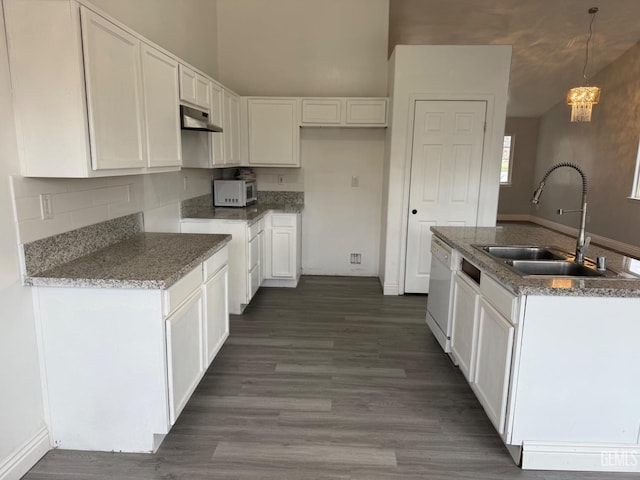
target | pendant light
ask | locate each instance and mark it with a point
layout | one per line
(582, 99)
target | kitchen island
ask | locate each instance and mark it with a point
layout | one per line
(126, 330)
(552, 359)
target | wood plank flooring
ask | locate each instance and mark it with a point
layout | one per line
(331, 380)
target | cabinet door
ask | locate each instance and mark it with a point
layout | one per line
(283, 252)
(231, 129)
(203, 92)
(322, 111)
(114, 94)
(274, 132)
(187, 85)
(185, 358)
(216, 313)
(367, 111)
(217, 114)
(161, 107)
(493, 363)
(263, 256)
(465, 323)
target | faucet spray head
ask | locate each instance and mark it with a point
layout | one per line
(536, 195)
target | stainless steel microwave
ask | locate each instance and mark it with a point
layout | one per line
(234, 193)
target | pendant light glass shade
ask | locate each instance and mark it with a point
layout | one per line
(582, 100)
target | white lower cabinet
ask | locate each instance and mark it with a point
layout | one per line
(266, 253)
(185, 356)
(244, 256)
(493, 363)
(466, 298)
(121, 364)
(216, 296)
(283, 247)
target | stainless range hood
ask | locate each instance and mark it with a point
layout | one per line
(194, 119)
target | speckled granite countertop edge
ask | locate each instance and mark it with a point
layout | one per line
(463, 241)
(56, 277)
(250, 214)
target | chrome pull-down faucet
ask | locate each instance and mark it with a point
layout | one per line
(581, 243)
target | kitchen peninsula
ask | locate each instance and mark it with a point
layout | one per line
(552, 359)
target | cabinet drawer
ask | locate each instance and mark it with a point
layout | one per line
(500, 298)
(321, 111)
(283, 220)
(214, 263)
(255, 228)
(179, 291)
(254, 252)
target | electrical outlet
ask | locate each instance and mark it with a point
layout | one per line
(355, 181)
(356, 258)
(46, 208)
(280, 179)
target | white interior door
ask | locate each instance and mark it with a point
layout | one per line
(448, 139)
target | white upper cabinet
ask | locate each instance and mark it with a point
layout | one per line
(344, 112)
(79, 96)
(322, 111)
(114, 94)
(161, 108)
(195, 88)
(273, 131)
(372, 111)
(231, 128)
(217, 118)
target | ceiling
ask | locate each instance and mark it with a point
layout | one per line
(548, 38)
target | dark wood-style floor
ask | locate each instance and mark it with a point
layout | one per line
(331, 380)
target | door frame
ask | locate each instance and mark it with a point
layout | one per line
(487, 148)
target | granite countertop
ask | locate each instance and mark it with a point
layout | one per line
(462, 239)
(250, 214)
(146, 260)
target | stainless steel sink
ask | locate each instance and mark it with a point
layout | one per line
(517, 252)
(553, 268)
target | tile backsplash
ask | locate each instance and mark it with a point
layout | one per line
(76, 203)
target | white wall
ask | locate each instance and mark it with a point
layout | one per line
(444, 73)
(304, 47)
(340, 219)
(312, 48)
(187, 28)
(21, 402)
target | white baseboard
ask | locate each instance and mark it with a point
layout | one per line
(622, 247)
(26, 456)
(293, 283)
(391, 289)
(581, 457)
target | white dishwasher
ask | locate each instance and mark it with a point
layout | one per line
(444, 262)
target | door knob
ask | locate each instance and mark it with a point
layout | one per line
(414, 211)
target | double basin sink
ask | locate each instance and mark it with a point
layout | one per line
(535, 260)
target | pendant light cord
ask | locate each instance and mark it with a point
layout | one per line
(592, 11)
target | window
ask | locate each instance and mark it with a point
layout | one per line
(507, 159)
(635, 193)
